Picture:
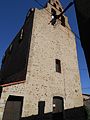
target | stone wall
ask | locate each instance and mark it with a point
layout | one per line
(42, 83)
(69, 114)
(16, 90)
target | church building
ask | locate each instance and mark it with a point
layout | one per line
(39, 72)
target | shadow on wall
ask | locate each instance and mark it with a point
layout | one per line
(87, 107)
(15, 60)
(78, 113)
(58, 112)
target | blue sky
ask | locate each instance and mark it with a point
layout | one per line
(12, 16)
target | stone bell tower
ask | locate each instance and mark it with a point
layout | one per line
(50, 73)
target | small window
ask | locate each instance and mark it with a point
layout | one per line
(53, 12)
(10, 49)
(3, 59)
(54, 5)
(60, 9)
(57, 2)
(21, 36)
(58, 66)
(63, 20)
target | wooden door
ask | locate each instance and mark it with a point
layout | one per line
(13, 108)
(58, 108)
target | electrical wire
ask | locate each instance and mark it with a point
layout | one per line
(83, 69)
(76, 35)
(67, 26)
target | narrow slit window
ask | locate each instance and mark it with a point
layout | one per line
(21, 36)
(54, 5)
(63, 20)
(53, 12)
(10, 48)
(60, 9)
(57, 2)
(58, 66)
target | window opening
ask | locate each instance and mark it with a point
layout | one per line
(10, 48)
(58, 66)
(21, 36)
(60, 9)
(57, 2)
(53, 12)
(63, 20)
(54, 5)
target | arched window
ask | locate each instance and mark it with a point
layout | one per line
(60, 9)
(53, 12)
(54, 5)
(57, 2)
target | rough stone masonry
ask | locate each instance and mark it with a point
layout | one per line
(52, 47)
